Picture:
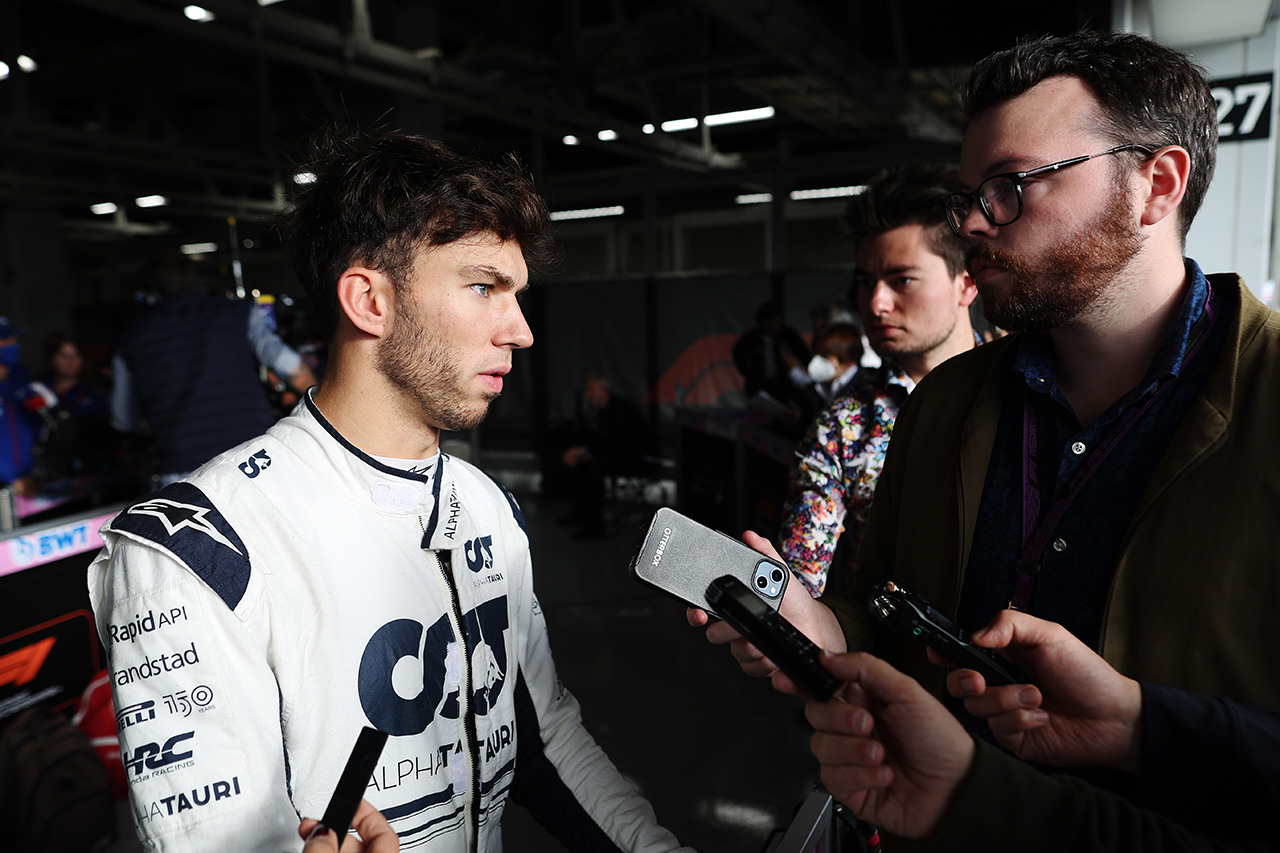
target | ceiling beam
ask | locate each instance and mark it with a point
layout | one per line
(325, 48)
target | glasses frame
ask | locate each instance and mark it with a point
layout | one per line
(964, 201)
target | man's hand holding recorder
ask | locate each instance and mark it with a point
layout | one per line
(898, 758)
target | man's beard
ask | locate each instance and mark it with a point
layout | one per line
(1053, 289)
(425, 368)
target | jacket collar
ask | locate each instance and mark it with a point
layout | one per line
(434, 498)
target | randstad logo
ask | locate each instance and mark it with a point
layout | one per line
(151, 667)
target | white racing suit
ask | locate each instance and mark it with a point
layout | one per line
(294, 590)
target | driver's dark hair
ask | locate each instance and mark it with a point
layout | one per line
(1147, 94)
(376, 198)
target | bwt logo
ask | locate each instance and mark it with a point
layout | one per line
(64, 540)
(152, 756)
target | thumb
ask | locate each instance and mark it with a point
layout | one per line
(873, 675)
(1010, 628)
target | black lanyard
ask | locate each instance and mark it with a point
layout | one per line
(1037, 529)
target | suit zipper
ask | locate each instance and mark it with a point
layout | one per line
(471, 802)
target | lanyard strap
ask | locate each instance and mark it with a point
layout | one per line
(1037, 529)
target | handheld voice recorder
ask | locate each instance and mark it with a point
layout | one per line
(906, 612)
(769, 632)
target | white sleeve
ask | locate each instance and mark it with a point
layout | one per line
(575, 767)
(197, 707)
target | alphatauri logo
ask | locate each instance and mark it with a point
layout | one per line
(251, 467)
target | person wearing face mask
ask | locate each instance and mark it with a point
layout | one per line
(837, 353)
(913, 295)
(21, 402)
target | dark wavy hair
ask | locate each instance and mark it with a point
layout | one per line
(379, 197)
(909, 195)
(1147, 94)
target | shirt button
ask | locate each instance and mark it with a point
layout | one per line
(1077, 447)
(1059, 545)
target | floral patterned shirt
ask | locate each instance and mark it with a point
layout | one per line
(837, 465)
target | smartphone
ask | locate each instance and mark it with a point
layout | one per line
(772, 634)
(680, 557)
(353, 781)
(906, 612)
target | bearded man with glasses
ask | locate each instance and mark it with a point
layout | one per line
(1112, 465)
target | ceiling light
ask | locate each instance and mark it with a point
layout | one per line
(26, 63)
(198, 248)
(267, 2)
(758, 114)
(607, 135)
(677, 124)
(304, 178)
(103, 208)
(648, 128)
(587, 213)
(570, 139)
(753, 198)
(826, 192)
(198, 14)
(4, 70)
(151, 201)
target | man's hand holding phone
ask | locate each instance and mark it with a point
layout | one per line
(814, 620)
(1086, 713)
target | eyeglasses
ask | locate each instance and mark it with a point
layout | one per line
(999, 197)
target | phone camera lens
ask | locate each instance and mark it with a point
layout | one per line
(777, 575)
(762, 582)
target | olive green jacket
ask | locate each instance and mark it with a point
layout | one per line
(1195, 600)
(1006, 804)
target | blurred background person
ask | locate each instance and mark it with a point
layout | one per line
(611, 439)
(188, 370)
(64, 374)
(76, 438)
(21, 402)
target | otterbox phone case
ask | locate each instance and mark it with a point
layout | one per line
(682, 557)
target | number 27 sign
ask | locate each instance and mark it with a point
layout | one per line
(1244, 107)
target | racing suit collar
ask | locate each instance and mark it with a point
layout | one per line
(432, 496)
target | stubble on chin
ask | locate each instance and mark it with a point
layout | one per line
(1071, 277)
(428, 375)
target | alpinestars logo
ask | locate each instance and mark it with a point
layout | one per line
(250, 467)
(179, 516)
